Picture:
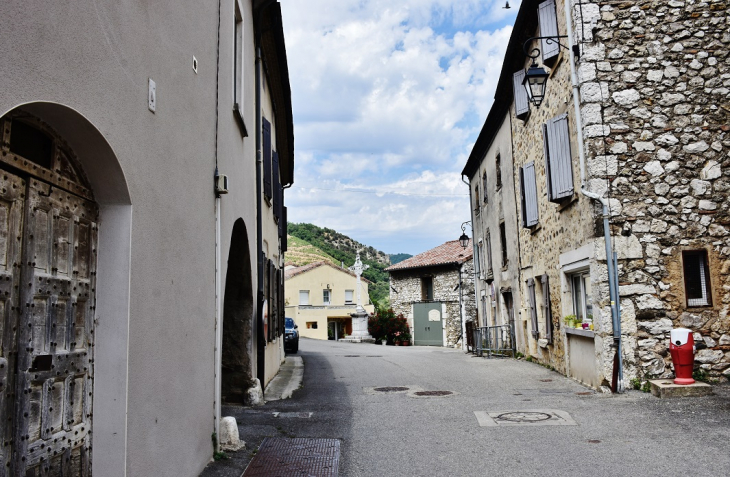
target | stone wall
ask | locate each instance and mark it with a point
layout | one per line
(445, 282)
(654, 81)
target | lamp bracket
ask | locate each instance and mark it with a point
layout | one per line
(535, 52)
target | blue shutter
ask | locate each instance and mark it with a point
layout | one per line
(533, 306)
(529, 195)
(548, 310)
(548, 18)
(522, 104)
(267, 158)
(558, 160)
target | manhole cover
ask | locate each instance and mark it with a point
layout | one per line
(524, 416)
(374, 356)
(280, 456)
(594, 441)
(433, 393)
(352, 356)
(391, 389)
(546, 380)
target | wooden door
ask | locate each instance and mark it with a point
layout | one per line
(54, 380)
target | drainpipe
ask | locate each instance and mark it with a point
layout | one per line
(461, 307)
(474, 256)
(260, 343)
(611, 259)
(218, 356)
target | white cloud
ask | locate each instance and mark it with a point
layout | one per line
(389, 96)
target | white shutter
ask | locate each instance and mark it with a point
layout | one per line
(304, 297)
(522, 104)
(348, 296)
(548, 18)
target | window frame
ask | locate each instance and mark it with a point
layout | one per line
(498, 166)
(585, 314)
(352, 297)
(326, 296)
(490, 268)
(238, 60)
(503, 243)
(484, 187)
(704, 275)
(426, 288)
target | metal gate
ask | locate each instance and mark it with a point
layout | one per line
(48, 240)
(428, 328)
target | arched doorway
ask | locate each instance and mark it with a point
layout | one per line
(51, 250)
(238, 324)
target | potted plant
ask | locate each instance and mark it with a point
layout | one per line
(406, 339)
(569, 321)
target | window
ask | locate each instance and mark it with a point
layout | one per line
(484, 186)
(489, 254)
(312, 325)
(533, 307)
(503, 240)
(476, 199)
(238, 67)
(547, 312)
(548, 19)
(696, 278)
(304, 297)
(528, 188)
(558, 161)
(326, 296)
(267, 158)
(522, 102)
(479, 262)
(427, 288)
(498, 164)
(31, 143)
(348, 296)
(580, 289)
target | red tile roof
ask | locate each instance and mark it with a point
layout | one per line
(449, 253)
(293, 272)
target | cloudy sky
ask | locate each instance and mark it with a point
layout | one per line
(389, 97)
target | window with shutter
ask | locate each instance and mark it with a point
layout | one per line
(283, 226)
(498, 164)
(548, 314)
(277, 186)
(267, 158)
(696, 278)
(484, 186)
(533, 306)
(522, 103)
(238, 60)
(489, 255)
(503, 240)
(548, 18)
(528, 186)
(476, 200)
(558, 160)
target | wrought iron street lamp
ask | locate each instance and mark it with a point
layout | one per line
(536, 77)
(464, 239)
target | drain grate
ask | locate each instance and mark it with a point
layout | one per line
(528, 417)
(298, 415)
(432, 393)
(352, 356)
(546, 380)
(374, 356)
(282, 457)
(391, 389)
(524, 416)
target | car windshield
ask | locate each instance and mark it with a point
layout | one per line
(289, 323)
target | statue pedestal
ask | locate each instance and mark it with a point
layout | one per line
(360, 332)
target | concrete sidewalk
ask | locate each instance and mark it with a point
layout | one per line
(288, 380)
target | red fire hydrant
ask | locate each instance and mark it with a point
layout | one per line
(682, 349)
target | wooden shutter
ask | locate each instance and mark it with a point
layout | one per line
(548, 18)
(558, 161)
(533, 306)
(529, 195)
(548, 310)
(522, 103)
(283, 226)
(267, 158)
(277, 185)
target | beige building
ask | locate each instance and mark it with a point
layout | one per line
(146, 228)
(320, 298)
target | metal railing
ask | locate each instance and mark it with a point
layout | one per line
(494, 341)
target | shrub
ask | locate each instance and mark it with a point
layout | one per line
(385, 325)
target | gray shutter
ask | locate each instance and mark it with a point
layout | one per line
(558, 161)
(284, 228)
(529, 192)
(267, 157)
(522, 104)
(548, 18)
(548, 309)
(277, 186)
(533, 306)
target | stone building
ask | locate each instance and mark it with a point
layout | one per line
(148, 233)
(634, 116)
(434, 290)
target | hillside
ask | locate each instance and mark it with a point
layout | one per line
(344, 249)
(300, 252)
(399, 257)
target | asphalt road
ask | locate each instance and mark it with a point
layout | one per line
(397, 434)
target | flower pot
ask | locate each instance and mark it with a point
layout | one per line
(405, 343)
(383, 342)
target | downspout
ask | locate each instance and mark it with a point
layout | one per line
(475, 257)
(611, 259)
(461, 309)
(218, 359)
(261, 343)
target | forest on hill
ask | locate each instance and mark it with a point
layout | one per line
(344, 249)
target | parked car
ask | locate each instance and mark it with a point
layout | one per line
(291, 336)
